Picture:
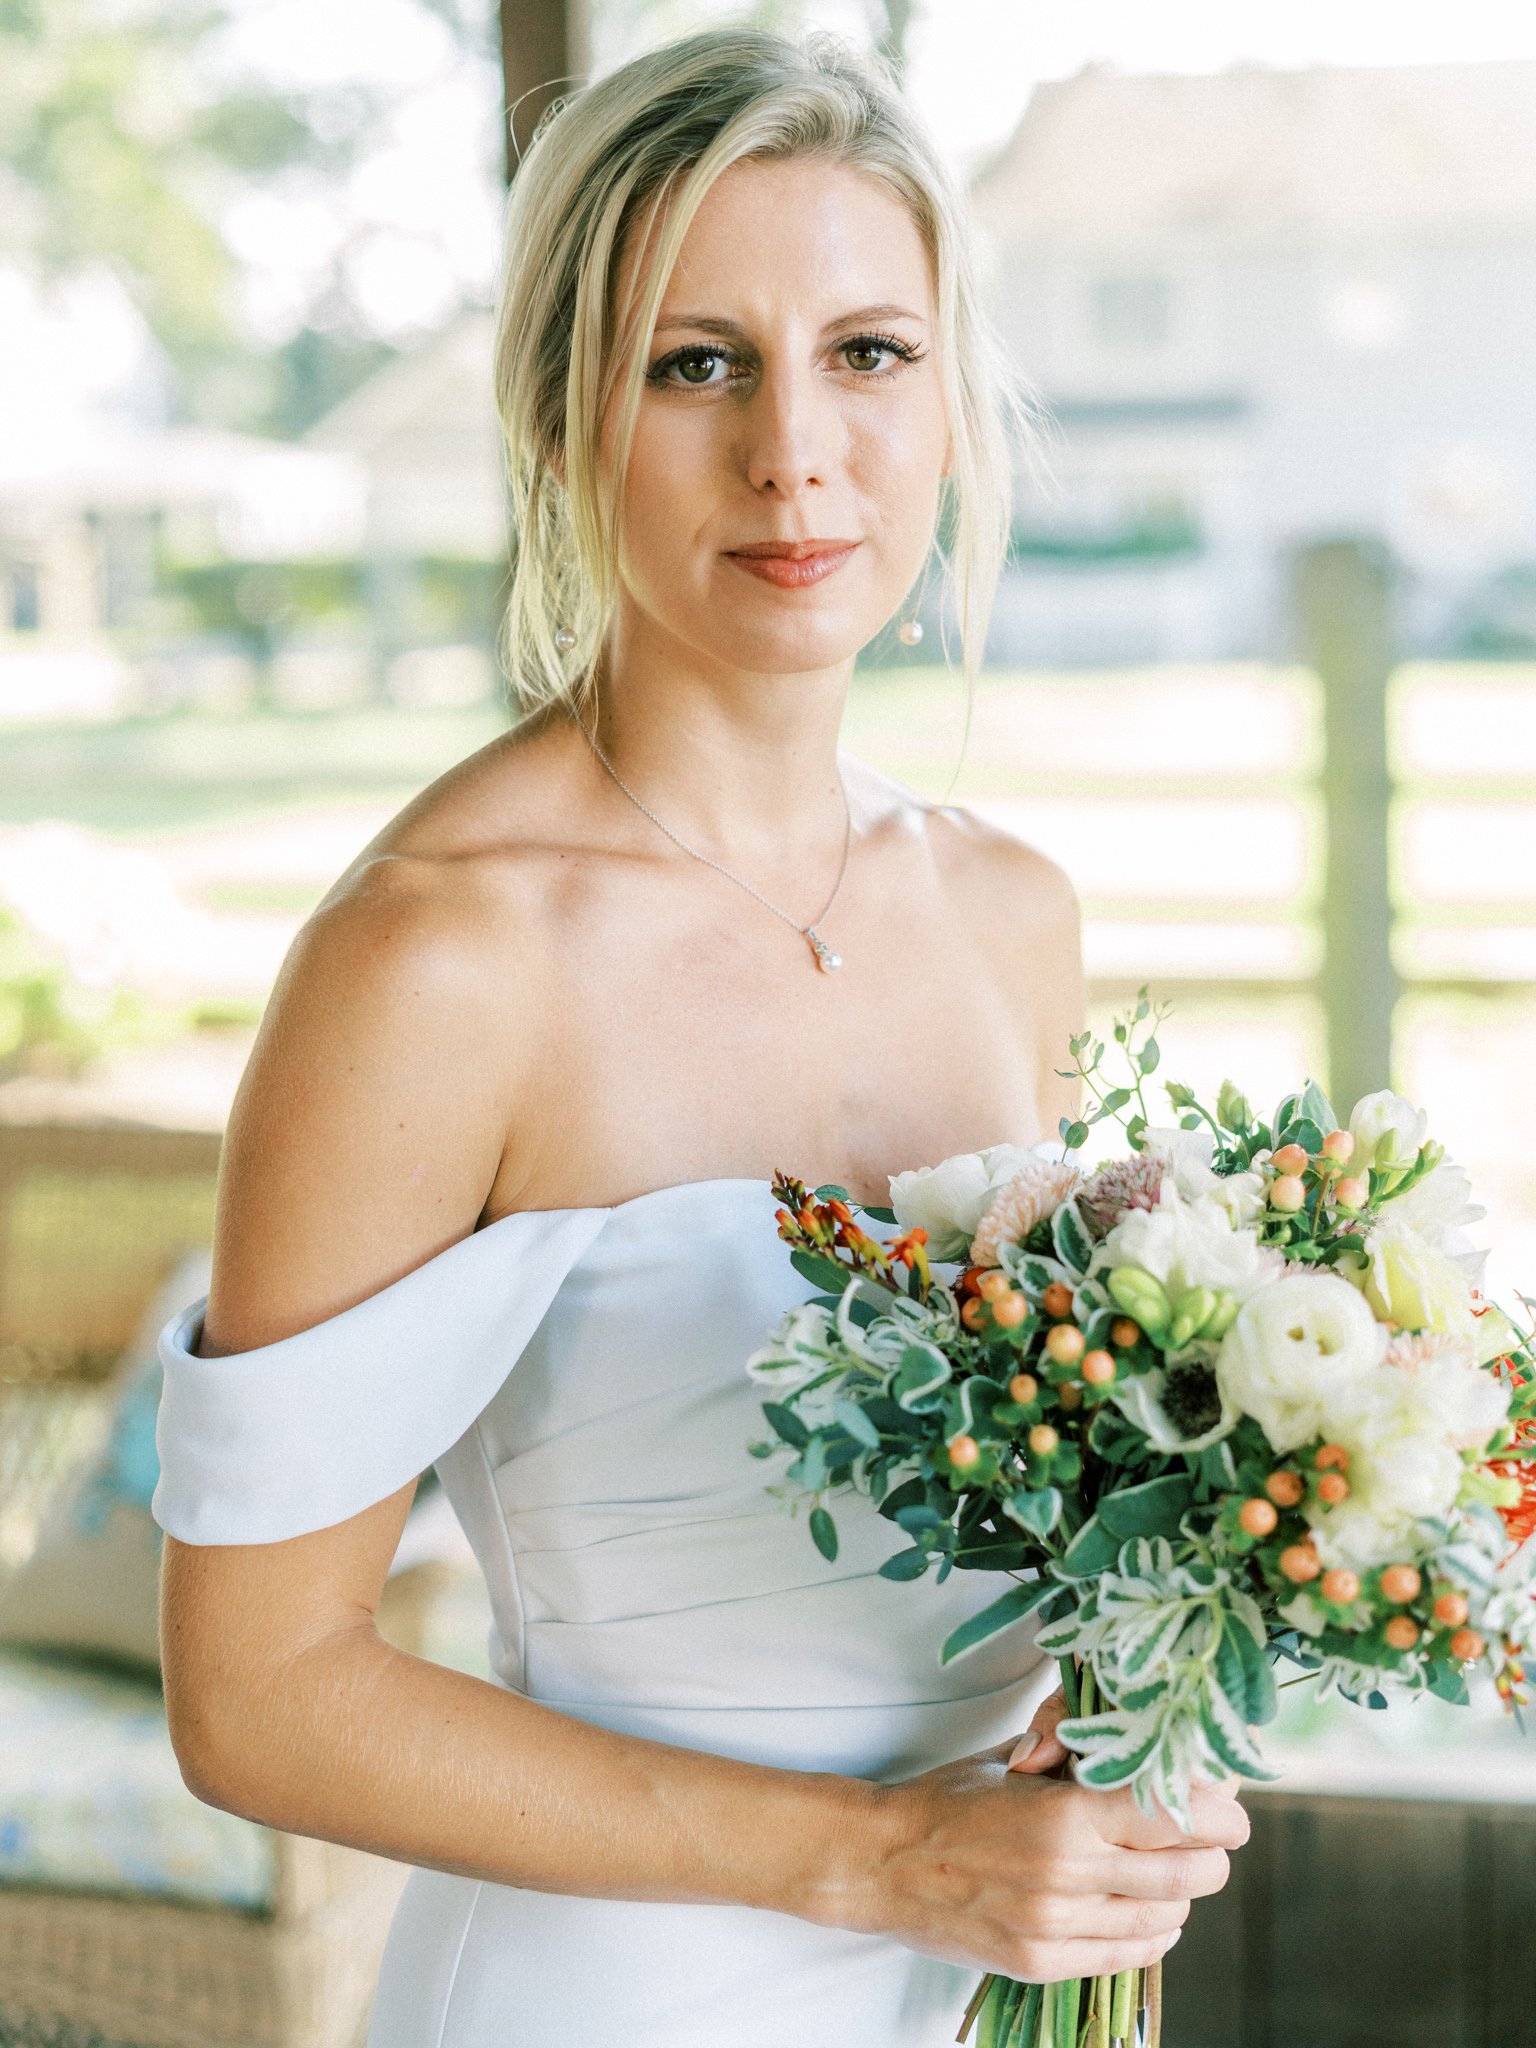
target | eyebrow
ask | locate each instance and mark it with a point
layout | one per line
(717, 323)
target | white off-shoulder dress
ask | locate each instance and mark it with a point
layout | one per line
(577, 1378)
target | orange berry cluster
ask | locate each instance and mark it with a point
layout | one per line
(1398, 1585)
(1292, 1163)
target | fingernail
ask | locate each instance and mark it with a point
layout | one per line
(1025, 1745)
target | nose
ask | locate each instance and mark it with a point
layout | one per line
(790, 434)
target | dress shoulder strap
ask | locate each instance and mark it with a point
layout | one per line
(260, 1445)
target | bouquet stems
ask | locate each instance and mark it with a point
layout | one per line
(1124, 2011)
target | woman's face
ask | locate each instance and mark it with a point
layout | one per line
(791, 436)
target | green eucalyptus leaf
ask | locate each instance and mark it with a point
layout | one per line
(906, 1564)
(786, 1424)
(824, 1533)
(857, 1424)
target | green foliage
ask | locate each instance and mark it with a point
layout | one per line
(49, 1022)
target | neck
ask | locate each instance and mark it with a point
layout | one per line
(735, 762)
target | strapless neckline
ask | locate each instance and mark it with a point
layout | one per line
(676, 1187)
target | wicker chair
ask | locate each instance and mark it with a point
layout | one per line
(92, 1218)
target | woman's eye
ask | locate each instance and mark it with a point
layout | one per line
(866, 355)
(874, 354)
(695, 367)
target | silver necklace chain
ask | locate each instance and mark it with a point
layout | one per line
(826, 959)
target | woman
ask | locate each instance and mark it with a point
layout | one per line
(515, 1104)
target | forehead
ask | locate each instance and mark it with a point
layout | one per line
(806, 233)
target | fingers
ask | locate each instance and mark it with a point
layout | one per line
(1165, 1873)
(1217, 1822)
(1106, 1958)
(1128, 1919)
(1039, 1749)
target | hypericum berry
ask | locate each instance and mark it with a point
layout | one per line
(963, 1452)
(1401, 1632)
(1332, 1457)
(974, 1313)
(1339, 1146)
(1400, 1583)
(1288, 1193)
(1285, 1488)
(1023, 1388)
(1352, 1192)
(1467, 1644)
(1124, 1331)
(1070, 1395)
(1057, 1300)
(1340, 1586)
(1450, 1610)
(1065, 1344)
(994, 1284)
(1009, 1310)
(971, 1279)
(1290, 1159)
(1097, 1368)
(1300, 1564)
(1258, 1517)
(1043, 1439)
(1332, 1488)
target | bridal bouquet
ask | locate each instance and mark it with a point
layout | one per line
(1230, 1398)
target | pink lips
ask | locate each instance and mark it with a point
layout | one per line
(792, 564)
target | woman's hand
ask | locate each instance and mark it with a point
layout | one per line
(991, 1863)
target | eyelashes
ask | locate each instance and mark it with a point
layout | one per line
(672, 370)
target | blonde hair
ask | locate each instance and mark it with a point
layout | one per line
(630, 157)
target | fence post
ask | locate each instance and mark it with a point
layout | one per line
(1341, 598)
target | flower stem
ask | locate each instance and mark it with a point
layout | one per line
(1154, 2007)
(1068, 2000)
(978, 2000)
(1122, 2016)
(1102, 1997)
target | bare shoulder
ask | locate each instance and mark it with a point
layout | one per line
(1023, 911)
(372, 1118)
(986, 868)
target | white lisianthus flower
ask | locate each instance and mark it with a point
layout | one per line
(1187, 1156)
(1467, 1402)
(1190, 1244)
(950, 1199)
(1400, 1428)
(1408, 1282)
(1439, 1207)
(1387, 1131)
(1294, 1346)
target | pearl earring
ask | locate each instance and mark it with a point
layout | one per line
(910, 632)
(565, 639)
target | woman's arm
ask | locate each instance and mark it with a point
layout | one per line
(369, 1129)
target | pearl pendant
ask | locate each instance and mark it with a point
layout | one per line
(910, 632)
(828, 961)
(565, 639)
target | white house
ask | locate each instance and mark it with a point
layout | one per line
(1261, 306)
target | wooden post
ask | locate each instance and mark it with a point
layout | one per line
(1342, 600)
(543, 55)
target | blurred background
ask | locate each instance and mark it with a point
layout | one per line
(1262, 677)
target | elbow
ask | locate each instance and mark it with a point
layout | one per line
(219, 1762)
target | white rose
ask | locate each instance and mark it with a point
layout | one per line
(1293, 1345)
(1387, 1131)
(950, 1199)
(1190, 1244)
(1187, 1156)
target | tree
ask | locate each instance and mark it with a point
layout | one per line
(120, 140)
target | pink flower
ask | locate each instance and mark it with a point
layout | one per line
(1035, 1192)
(1118, 1187)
